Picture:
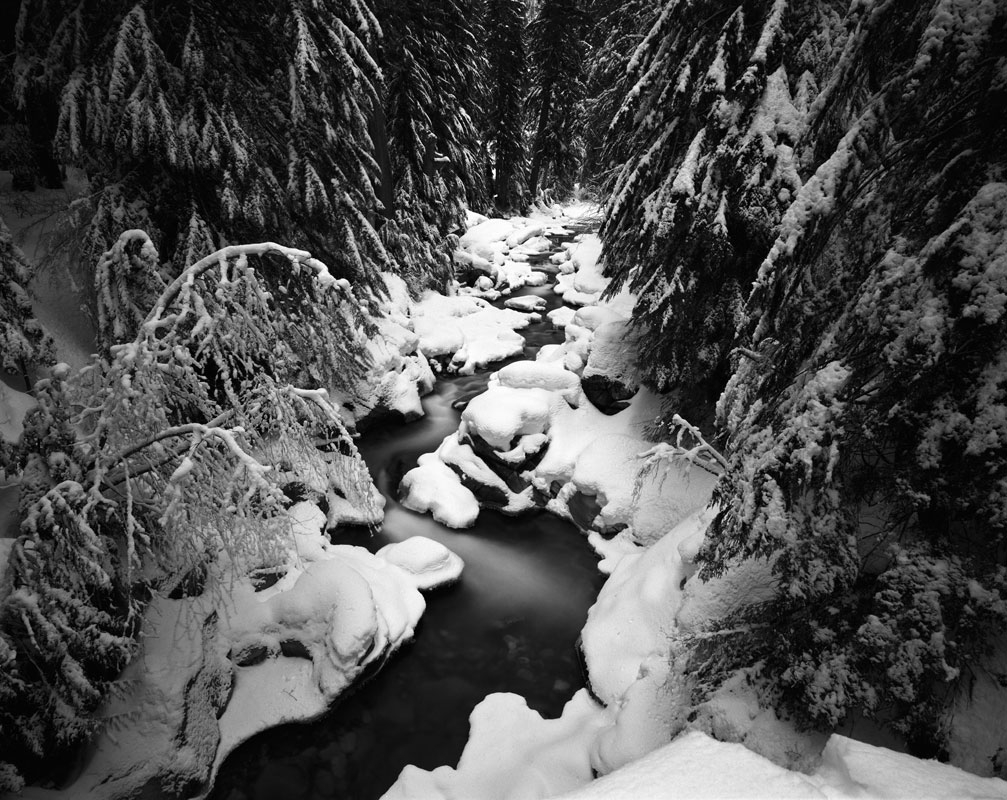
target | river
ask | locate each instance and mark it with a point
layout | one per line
(510, 625)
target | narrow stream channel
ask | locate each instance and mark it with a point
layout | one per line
(510, 625)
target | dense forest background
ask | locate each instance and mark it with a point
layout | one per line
(808, 198)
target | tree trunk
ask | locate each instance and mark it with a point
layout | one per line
(536, 159)
(378, 131)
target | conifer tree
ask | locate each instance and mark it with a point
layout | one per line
(557, 55)
(615, 33)
(706, 136)
(849, 169)
(504, 123)
(169, 450)
(431, 65)
(22, 340)
(230, 122)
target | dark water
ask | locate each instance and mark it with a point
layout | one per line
(510, 625)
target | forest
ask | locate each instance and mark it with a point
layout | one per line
(805, 202)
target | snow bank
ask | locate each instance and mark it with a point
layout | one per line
(398, 373)
(697, 766)
(512, 754)
(245, 655)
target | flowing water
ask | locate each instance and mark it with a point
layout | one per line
(510, 625)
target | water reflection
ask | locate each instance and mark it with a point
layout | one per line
(511, 624)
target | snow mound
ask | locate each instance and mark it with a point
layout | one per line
(500, 414)
(542, 375)
(433, 487)
(698, 767)
(512, 754)
(429, 562)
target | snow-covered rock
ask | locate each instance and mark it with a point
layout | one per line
(433, 487)
(468, 330)
(430, 563)
(245, 655)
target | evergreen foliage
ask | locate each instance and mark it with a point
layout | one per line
(615, 34)
(558, 54)
(231, 121)
(706, 137)
(165, 455)
(22, 340)
(853, 168)
(504, 119)
(431, 64)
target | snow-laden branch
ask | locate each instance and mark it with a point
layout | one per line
(692, 451)
(221, 258)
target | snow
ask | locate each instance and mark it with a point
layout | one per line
(502, 413)
(398, 373)
(343, 607)
(512, 754)
(539, 374)
(14, 407)
(696, 766)
(527, 303)
(429, 562)
(433, 487)
(469, 329)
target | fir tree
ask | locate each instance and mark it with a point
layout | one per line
(706, 139)
(22, 340)
(146, 466)
(503, 125)
(864, 416)
(431, 62)
(557, 56)
(234, 121)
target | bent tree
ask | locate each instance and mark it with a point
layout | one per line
(166, 455)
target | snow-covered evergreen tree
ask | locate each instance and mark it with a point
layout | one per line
(431, 64)
(706, 137)
(22, 340)
(615, 33)
(558, 56)
(864, 413)
(250, 117)
(506, 90)
(161, 457)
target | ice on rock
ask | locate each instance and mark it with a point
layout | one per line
(433, 487)
(430, 563)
